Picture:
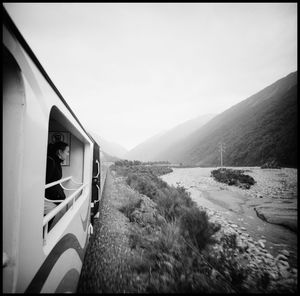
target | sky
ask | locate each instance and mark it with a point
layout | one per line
(131, 70)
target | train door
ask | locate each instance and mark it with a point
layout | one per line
(96, 184)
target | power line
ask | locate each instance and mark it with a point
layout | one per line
(201, 256)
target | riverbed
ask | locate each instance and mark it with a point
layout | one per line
(273, 187)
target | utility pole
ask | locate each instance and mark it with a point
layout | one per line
(222, 149)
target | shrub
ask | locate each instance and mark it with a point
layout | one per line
(130, 206)
(172, 203)
(195, 227)
(233, 177)
(165, 261)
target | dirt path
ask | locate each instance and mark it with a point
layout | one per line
(105, 268)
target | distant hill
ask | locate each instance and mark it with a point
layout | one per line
(109, 158)
(257, 130)
(110, 148)
(151, 149)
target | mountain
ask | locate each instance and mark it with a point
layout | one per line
(108, 158)
(257, 130)
(110, 148)
(151, 149)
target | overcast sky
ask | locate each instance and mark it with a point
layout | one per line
(131, 70)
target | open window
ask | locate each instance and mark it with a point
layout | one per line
(72, 181)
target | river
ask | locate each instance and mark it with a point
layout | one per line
(237, 205)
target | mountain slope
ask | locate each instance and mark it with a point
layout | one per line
(259, 129)
(112, 149)
(150, 150)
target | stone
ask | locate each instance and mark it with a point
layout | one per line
(168, 265)
(242, 245)
(281, 257)
(261, 244)
(285, 253)
(214, 274)
(270, 256)
(283, 263)
(294, 271)
(279, 213)
(284, 271)
(273, 276)
(246, 256)
(252, 266)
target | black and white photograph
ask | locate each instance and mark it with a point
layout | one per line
(150, 147)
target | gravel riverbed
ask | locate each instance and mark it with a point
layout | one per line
(237, 206)
(262, 248)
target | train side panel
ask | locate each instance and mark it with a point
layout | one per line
(30, 106)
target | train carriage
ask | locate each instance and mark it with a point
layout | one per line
(37, 259)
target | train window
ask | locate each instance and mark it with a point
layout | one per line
(72, 168)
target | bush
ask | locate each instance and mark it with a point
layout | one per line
(130, 206)
(172, 203)
(233, 177)
(142, 184)
(167, 257)
(196, 228)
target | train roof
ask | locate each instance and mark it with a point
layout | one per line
(8, 22)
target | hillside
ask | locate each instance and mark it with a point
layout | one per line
(110, 148)
(259, 129)
(151, 149)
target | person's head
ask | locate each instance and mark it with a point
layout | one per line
(61, 149)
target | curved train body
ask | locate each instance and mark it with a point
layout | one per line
(37, 259)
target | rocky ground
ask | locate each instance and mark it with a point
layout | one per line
(274, 192)
(277, 189)
(273, 198)
(252, 256)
